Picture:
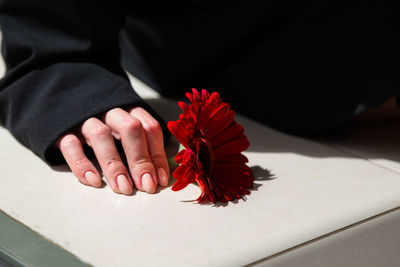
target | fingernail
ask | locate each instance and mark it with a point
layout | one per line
(92, 179)
(162, 177)
(124, 185)
(148, 183)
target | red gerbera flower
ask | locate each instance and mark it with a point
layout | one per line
(213, 144)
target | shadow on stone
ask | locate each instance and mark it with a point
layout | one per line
(260, 174)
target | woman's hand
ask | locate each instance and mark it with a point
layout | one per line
(142, 141)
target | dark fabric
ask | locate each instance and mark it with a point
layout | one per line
(62, 60)
(328, 63)
(299, 66)
(184, 44)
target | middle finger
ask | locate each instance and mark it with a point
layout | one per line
(133, 139)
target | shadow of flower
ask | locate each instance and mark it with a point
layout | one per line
(260, 174)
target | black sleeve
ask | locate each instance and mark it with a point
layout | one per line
(62, 67)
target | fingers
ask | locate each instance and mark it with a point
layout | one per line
(134, 142)
(142, 140)
(155, 143)
(72, 150)
(100, 138)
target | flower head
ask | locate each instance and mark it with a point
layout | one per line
(213, 144)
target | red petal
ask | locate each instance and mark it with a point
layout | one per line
(235, 146)
(188, 177)
(185, 108)
(235, 131)
(181, 132)
(189, 96)
(235, 174)
(231, 158)
(217, 122)
(179, 156)
(204, 95)
(207, 116)
(214, 100)
(208, 190)
(179, 185)
(196, 96)
(179, 172)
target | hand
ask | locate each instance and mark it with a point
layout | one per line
(142, 141)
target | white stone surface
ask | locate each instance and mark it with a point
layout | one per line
(373, 243)
(317, 189)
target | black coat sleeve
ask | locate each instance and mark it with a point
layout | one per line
(62, 67)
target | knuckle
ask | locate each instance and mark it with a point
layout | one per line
(99, 131)
(114, 164)
(152, 126)
(69, 141)
(90, 121)
(131, 124)
(78, 164)
(158, 158)
(139, 160)
(117, 109)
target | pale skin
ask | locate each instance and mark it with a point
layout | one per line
(142, 141)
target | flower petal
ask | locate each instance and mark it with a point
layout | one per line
(179, 157)
(187, 178)
(231, 158)
(185, 108)
(235, 146)
(181, 132)
(235, 131)
(213, 141)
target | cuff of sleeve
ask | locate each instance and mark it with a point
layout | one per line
(118, 97)
(58, 98)
(52, 155)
